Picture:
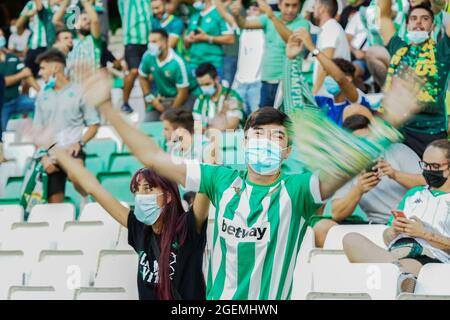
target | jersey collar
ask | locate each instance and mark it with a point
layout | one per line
(170, 56)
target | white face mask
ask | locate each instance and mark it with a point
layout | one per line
(154, 49)
(417, 37)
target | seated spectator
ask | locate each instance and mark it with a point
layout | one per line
(161, 19)
(422, 235)
(376, 191)
(18, 39)
(173, 120)
(170, 242)
(63, 41)
(218, 106)
(205, 35)
(60, 107)
(173, 81)
(14, 71)
(338, 81)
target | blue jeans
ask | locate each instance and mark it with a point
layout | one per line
(250, 93)
(229, 68)
(21, 104)
(268, 94)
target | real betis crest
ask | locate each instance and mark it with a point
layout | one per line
(167, 73)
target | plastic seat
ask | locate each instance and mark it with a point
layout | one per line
(117, 268)
(102, 148)
(118, 183)
(13, 187)
(32, 293)
(63, 270)
(302, 276)
(108, 132)
(434, 279)
(95, 293)
(56, 214)
(337, 233)
(11, 263)
(378, 280)
(7, 169)
(88, 236)
(94, 164)
(9, 214)
(20, 152)
(124, 162)
(152, 128)
(122, 244)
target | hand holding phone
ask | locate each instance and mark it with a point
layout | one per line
(398, 214)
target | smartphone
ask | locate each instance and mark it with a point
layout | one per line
(398, 214)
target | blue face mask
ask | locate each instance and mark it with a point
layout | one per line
(2, 42)
(154, 49)
(146, 209)
(263, 156)
(199, 5)
(208, 90)
(331, 86)
(417, 37)
(50, 84)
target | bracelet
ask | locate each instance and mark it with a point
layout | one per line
(149, 98)
(210, 39)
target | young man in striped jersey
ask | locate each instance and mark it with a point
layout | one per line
(136, 26)
(173, 81)
(261, 212)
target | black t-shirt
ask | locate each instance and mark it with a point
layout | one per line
(186, 260)
(349, 10)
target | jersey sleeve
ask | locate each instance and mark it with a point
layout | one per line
(177, 28)
(306, 195)
(144, 66)
(225, 28)
(263, 20)
(181, 75)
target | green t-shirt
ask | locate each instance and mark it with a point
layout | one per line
(173, 25)
(205, 109)
(168, 75)
(258, 230)
(9, 67)
(136, 24)
(86, 53)
(211, 23)
(38, 38)
(274, 46)
(433, 118)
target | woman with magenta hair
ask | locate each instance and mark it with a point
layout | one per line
(169, 241)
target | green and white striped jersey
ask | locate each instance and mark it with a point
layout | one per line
(257, 232)
(84, 57)
(432, 207)
(136, 23)
(38, 38)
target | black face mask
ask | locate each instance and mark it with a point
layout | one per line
(433, 178)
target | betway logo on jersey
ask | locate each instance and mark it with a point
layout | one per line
(234, 232)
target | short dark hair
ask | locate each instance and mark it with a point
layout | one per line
(269, 115)
(163, 33)
(204, 69)
(346, 66)
(332, 6)
(60, 30)
(442, 144)
(356, 122)
(425, 6)
(179, 118)
(51, 55)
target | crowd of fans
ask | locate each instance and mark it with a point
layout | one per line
(209, 66)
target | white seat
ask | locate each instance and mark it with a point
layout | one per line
(95, 212)
(21, 152)
(434, 279)
(117, 268)
(15, 124)
(9, 137)
(327, 256)
(88, 236)
(66, 271)
(102, 294)
(56, 214)
(122, 244)
(7, 169)
(32, 293)
(378, 280)
(11, 263)
(302, 277)
(9, 214)
(337, 296)
(31, 238)
(337, 233)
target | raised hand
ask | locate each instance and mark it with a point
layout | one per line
(236, 8)
(97, 88)
(265, 8)
(294, 46)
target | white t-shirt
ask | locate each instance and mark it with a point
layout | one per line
(19, 42)
(356, 29)
(251, 51)
(332, 36)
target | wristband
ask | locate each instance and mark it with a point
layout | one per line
(210, 39)
(149, 98)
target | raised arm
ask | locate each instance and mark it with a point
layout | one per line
(281, 28)
(224, 13)
(243, 23)
(88, 6)
(387, 28)
(347, 87)
(90, 184)
(97, 91)
(437, 5)
(58, 17)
